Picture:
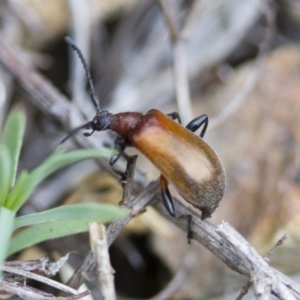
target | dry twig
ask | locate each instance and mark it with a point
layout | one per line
(104, 271)
(227, 245)
(53, 103)
(136, 206)
(81, 25)
(266, 257)
(42, 266)
(227, 249)
(40, 278)
(255, 73)
(178, 41)
(265, 281)
(50, 101)
(25, 292)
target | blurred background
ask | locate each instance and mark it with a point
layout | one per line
(250, 92)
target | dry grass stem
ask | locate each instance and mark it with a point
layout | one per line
(266, 257)
(180, 71)
(104, 269)
(254, 75)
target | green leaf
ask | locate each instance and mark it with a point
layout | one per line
(17, 191)
(46, 231)
(5, 171)
(51, 164)
(6, 228)
(55, 229)
(87, 211)
(12, 138)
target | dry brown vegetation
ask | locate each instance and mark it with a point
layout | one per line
(238, 62)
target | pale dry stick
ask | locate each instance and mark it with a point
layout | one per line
(181, 82)
(104, 270)
(265, 281)
(279, 243)
(81, 25)
(255, 73)
(39, 278)
(49, 100)
(246, 288)
(25, 292)
(191, 16)
(136, 206)
(221, 246)
(174, 34)
(180, 71)
(43, 94)
(43, 265)
(181, 276)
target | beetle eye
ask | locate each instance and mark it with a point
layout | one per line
(100, 123)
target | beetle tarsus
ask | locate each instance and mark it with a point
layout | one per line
(197, 123)
(175, 116)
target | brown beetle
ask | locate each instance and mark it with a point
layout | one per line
(183, 158)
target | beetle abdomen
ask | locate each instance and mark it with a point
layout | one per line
(183, 158)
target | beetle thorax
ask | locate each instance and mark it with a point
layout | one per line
(124, 124)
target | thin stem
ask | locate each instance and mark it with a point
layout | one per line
(254, 75)
(180, 70)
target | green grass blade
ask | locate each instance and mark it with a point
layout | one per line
(46, 231)
(12, 138)
(55, 229)
(88, 211)
(16, 191)
(5, 171)
(6, 228)
(59, 160)
(50, 165)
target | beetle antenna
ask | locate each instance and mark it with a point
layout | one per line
(93, 94)
(75, 130)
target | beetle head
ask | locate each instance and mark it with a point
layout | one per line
(100, 122)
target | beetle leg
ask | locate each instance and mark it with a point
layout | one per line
(127, 179)
(119, 149)
(127, 176)
(175, 116)
(166, 196)
(197, 123)
(112, 162)
(194, 124)
(169, 205)
(189, 219)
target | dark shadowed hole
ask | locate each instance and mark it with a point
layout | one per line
(140, 273)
